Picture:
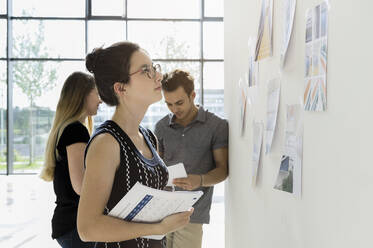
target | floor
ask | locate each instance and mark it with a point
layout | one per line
(27, 203)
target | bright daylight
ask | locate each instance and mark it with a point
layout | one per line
(42, 42)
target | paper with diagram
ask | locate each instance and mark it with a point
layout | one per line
(148, 205)
(263, 47)
(316, 58)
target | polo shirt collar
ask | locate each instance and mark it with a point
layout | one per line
(201, 116)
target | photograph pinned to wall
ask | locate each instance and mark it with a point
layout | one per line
(289, 178)
(257, 148)
(289, 13)
(273, 100)
(316, 58)
(242, 101)
(263, 48)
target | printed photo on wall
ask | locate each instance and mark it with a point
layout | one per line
(316, 58)
(289, 178)
(285, 175)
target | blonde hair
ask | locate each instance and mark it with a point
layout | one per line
(70, 108)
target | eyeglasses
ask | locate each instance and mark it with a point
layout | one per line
(151, 72)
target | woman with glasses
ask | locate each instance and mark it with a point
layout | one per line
(121, 152)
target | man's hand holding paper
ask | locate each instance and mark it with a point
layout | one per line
(189, 183)
(176, 171)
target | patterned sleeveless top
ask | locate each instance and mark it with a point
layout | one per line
(134, 167)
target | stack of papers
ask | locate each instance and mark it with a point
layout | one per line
(145, 204)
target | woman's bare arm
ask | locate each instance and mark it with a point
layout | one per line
(101, 164)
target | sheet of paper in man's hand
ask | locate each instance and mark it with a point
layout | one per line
(176, 171)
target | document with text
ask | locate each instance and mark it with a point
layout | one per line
(148, 205)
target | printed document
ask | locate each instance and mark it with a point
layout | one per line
(145, 204)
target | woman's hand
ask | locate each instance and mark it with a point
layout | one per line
(175, 221)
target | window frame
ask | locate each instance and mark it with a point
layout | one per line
(88, 17)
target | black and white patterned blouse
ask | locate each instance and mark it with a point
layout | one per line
(134, 167)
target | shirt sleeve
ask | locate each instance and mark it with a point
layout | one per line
(220, 136)
(158, 134)
(74, 133)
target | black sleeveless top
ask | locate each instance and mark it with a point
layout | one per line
(134, 167)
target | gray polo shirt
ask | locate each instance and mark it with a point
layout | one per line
(193, 145)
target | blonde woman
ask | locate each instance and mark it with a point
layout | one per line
(121, 152)
(64, 155)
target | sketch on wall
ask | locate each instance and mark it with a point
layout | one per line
(264, 40)
(316, 58)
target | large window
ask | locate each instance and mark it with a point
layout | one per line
(2, 7)
(3, 129)
(48, 39)
(34, 103)
(48, 8)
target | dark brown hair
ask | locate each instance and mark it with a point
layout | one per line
(110, 65)
(173, 80)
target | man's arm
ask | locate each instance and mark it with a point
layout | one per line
(211, 178)
(220, 173)
(220, 153)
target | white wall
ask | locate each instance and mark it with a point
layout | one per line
(336, 207)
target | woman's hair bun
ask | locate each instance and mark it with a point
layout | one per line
(91, 59)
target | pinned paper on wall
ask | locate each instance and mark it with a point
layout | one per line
(253, 100)
(289, 13)
(316, 58)
(257, 148)
(253, 65)
(289, 178)
(273, 100)
(253, 95)
(242, 101)
(263, 47)
(253, 72)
